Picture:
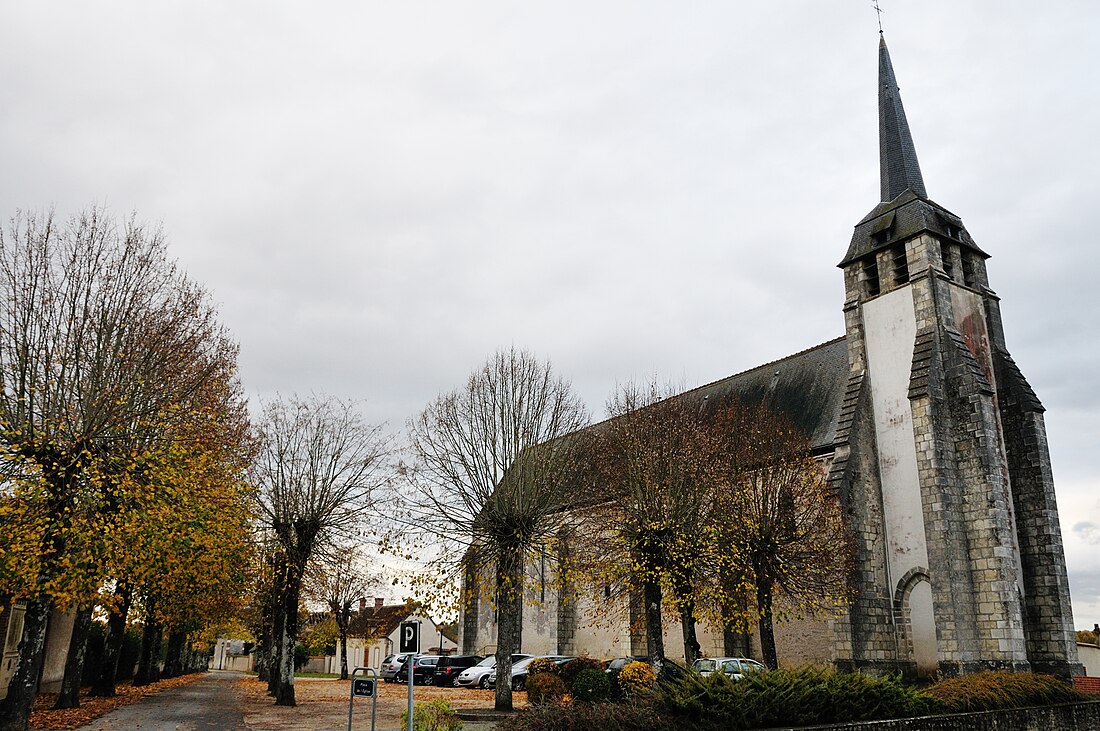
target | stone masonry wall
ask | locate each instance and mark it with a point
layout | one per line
(1070, 717)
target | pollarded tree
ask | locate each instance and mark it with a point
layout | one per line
(652, 460)
(785, 534)
(493, 471)
(339, 579)
(318, 467)
(95, 322)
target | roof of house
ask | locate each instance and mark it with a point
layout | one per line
(375, 622)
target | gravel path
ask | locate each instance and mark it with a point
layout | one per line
(211, 703)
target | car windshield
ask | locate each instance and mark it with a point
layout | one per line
(522, 663)
(389, 658)
(489, 662)
(731, 666)
(705, 666)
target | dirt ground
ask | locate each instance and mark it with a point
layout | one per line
(323, 705)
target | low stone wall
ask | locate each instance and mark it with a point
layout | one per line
(1070, 717)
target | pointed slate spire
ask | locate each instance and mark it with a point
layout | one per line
(898, 164)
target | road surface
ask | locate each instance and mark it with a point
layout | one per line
(211, 703)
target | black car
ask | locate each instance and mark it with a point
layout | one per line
(423, 670)
(448, 668)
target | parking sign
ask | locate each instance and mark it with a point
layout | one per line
(410, 637)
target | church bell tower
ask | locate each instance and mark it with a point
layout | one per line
(942, 456)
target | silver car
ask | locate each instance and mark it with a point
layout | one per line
(734, 667)
(392, 665)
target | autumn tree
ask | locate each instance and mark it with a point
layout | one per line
(95, 322)
(492, 471)
(318, 467)
(785, 533)
(652, 460)
(339, 579)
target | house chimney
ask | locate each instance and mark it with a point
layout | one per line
(378, 602)
(362, 604)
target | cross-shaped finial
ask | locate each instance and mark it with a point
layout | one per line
(879, 11)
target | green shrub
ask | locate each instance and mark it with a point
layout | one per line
(435, 715)
(585, 716)
(301, 656)
(995, 691)
(542, 665)
(570, 669)
(544, 688)
(636, 679)
(805, 696)
(591, 685)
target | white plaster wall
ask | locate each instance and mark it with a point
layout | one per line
(922, 624)
(1090, 658)
(603, 627)
(890, 330)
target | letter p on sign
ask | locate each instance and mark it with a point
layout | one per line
(410, 637)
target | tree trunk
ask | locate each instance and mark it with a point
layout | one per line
(273, 651)
(15, 709)
(341, 613)
(734, 643)
(149, 660)
(767, 632)
(691, 639)
(654, 631)
(343, 654)
(104, 683)
(509, 596)
(284, 663)
(173, 661)
(69, 697)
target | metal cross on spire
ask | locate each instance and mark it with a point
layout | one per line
(880, 12)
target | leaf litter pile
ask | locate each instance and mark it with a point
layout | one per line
(91, 708)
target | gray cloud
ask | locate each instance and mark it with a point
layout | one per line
(380, 196)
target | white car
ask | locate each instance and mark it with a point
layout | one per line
(734, 667)
(478, 675)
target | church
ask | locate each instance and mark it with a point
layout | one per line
(934, 443)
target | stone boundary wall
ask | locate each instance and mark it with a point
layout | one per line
(1070, 717)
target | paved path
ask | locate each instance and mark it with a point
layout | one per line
(211, 703)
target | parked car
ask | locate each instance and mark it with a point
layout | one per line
(519, 670)
(391, 666)
(423, 670)
(616, 665)
(478, 675)
(735, 667)
(448, 668)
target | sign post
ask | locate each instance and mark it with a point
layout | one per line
(365, 687)
(410, 642)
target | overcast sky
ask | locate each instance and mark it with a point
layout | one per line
(379, 195)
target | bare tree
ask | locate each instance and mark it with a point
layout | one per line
(493, 468)
(99, 334)
(339, 579)
(318, 468)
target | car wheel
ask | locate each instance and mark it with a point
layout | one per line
(518, 684)
(455, 683)
(484, 682)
